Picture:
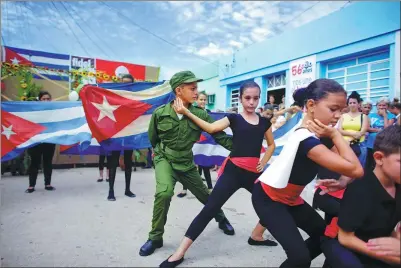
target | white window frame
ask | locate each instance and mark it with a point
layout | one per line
(283, 79)
(234, 101)
(368, 72)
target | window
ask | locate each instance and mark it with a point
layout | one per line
(234, 98)
(369, 75)
(276, 81)
(211, 98)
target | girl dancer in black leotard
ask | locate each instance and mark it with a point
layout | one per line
(241, 168)
(324, 99)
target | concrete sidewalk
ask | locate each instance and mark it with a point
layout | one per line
(76, 226)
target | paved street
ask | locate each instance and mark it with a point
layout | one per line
(76, 226)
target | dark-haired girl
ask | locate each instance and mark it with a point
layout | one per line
(45, 150)
(240, 169)
(353, 126)
(283, 211)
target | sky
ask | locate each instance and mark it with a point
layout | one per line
(174, 35)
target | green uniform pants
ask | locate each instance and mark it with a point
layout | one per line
(166, 178)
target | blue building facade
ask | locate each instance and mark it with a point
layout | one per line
(358, 46)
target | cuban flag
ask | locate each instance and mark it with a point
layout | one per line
(208, 153)
(51, 65)
(119, 114)
(25, 124)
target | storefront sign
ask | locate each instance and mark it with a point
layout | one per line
(302, 73)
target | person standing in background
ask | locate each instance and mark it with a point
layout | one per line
(114, 161)
(45, 150)
(378, 121)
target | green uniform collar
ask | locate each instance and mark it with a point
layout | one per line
(169, 111)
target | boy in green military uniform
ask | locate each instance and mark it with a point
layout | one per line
(172, 136)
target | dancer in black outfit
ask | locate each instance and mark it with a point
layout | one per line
(45, 150)
(114, 162)
(240, 170)
(283, 211)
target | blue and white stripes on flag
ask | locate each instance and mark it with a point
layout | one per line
(64, 123)
(52, 61)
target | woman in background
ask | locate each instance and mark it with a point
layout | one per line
(378, 121)
(45, 150)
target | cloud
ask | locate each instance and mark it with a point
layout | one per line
(213, 50)
(236, 44)
(196, 28)
(259, 34)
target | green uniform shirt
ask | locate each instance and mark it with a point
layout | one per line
(173, 138)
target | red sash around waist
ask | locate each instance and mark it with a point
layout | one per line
(290, 195)
(247, 163)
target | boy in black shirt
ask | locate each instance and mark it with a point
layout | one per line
(370, 209)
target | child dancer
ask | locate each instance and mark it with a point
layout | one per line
(283, 211)
(240, 169)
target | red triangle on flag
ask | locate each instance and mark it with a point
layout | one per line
(15, 58)
(15, 131)
(202, 138)
(108, 113)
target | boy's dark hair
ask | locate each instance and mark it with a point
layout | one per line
(388, 141)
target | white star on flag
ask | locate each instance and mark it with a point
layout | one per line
(106, 110)
(7, 131)
(15, 61)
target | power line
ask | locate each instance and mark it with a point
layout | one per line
(84, 31)
(93, 31)
(59, 14)
(41, 31)
(155, 35)
(23, 31)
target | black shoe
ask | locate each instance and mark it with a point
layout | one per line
(99, 180)
(129, 194)
(50, 188)
(181, 195)
(111, 196)
(173, 264)
(266, 242)
(107, 180)
(28, 191)
(134, 168)
(149, 247)
(226, 227)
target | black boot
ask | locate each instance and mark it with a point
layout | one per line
(129, 193)
(111, 196)
(149, 247)
(226, 227)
